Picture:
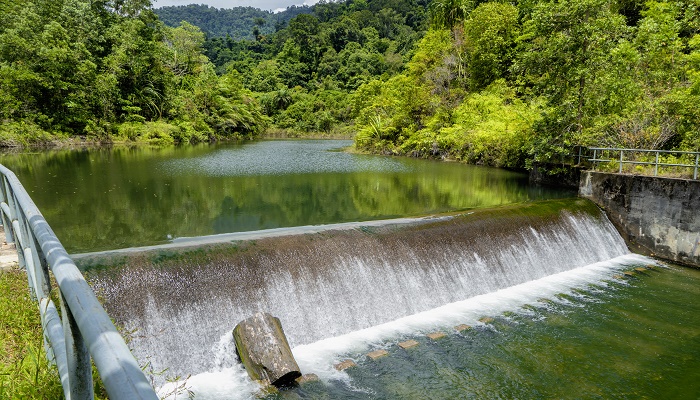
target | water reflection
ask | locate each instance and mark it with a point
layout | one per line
(102, 199)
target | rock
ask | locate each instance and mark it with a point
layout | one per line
(342, 366)
(306, 378)
(436, 335)
(486, 320)
(377, 353)
(463, 327)
(263, 349)
(640, 269)
(408, 344)
(629, 273)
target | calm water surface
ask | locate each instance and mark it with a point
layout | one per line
(103, 199)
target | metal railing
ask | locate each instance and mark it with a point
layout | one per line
(617, 155)
(83, 330)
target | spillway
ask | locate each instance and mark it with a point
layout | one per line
(181, 304)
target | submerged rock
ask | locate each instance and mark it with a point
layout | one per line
(306, 378)
(377, 353)
(436, 335)
(408, 344)
(342, 366)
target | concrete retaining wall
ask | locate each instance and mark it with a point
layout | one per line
(658, 216)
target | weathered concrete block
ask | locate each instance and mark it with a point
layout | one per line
(408, 344)
(377, 353)
(264, 351)
(306, 378)
(435, 335)
(342, 366)
(656, 216)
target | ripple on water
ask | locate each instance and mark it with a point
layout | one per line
(282, 158)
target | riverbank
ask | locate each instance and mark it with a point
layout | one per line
(9, 145)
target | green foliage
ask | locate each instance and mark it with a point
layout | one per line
(564, 72)
(492, 127)
(109, 70)
(322, 57)
(508, 85)
(236, 22)
(23, 133)
(489, 42)
(24, 369)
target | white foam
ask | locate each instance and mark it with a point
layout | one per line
(321, 356)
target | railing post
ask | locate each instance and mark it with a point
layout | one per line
(595, 156)
(9, 200)
(579, 156)
(5, 219)
(697, 161)
(656, 164)
(77, 357)
(621, 152)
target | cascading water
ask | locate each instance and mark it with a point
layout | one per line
(332, 283)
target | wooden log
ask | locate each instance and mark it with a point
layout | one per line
(263, 349)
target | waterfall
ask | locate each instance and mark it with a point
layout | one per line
(334, 282)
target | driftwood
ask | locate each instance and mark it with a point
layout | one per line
(263, 349)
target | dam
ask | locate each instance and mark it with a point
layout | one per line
(341, 291)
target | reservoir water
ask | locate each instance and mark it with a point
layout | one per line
(538, 275)
(99, 199)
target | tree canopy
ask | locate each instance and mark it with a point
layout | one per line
(498, 83)
(237, 22)
(109, 69)
(510, 83)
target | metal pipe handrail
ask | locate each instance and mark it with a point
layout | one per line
(83, 332)
(621, 161)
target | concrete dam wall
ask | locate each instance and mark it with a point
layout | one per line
(656, 216)
(182, 304)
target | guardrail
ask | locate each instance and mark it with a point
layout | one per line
(83, 330)
(617, 155)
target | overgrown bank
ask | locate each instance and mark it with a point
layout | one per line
(504, 84)
(508, 84)
(109, 71)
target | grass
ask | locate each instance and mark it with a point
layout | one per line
(24, 371)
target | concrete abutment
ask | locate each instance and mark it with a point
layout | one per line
(656, 216)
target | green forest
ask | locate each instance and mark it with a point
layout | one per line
(237, 22)
(501, 83)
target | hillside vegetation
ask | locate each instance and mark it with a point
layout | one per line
(109, 70)
(305, 73)
(507, 84)
(493, 83)
(497, 83)
(237, 22)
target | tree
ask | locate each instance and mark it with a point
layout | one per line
(565, 46)
(490, 35)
